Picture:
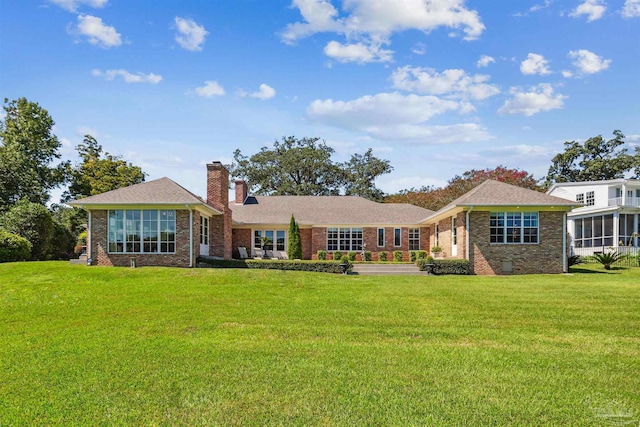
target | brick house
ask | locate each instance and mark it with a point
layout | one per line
(500, 228)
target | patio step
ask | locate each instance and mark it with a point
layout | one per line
(386, 269)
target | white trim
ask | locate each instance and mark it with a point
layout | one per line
(564, 243)
(190, 237)
(394, 237)
(384, 237)
(89, 235)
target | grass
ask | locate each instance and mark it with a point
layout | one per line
(161, 346)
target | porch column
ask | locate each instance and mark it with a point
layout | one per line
(616, 228)
(635, 228)
(624, 194)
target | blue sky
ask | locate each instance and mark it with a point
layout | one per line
(437, 87)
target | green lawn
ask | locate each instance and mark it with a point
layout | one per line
(161, 346)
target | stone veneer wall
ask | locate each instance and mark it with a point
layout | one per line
(99, 244)
(544, 257)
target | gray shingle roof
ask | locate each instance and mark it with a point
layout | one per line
(496, 193)
(317, 210)
(159, 191)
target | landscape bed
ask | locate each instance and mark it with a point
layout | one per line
(163, 346)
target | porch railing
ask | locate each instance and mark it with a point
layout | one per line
(629, 201)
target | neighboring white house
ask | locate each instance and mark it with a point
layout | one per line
(609, 217)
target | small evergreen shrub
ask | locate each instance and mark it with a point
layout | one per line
(413, 255)
(322, 255)
(446, 266)
(422, 254)
(337, 255)
(367, 256)
(397, 256)
(383, 256)
(352, 256)
(13, 247)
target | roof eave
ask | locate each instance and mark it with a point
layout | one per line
(106, 206)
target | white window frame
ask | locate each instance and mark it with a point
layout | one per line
(580, 198)
(397, 237)
(204, 230)
(378, 235)
(413, 239)
(257, 235)
(590, 198)
(139, 231)
(344, 238)
(504, 218)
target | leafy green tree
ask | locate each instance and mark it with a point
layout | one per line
(99, 171)
(361, 172)
(27, 150)
(294, 249)
(31, 221)
(304, 167)
(13, 247)
(595, 160)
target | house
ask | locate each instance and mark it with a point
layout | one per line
(607, 217)
(500, 228)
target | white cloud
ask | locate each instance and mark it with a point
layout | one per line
(567, 74)
(210, 88)
(535, 64)
(357, 52)
(72, 5)
(594, 9)
(97, 32)
(373, 22)
(419, 49)
(127, 77)
(391, 185)
(484, 61)
(535, 8)
(264, 92)
(588, 62)
(631, 9)
(452, 82)
(86, 130)
(190, 36)
(397, 117)
(539, 98)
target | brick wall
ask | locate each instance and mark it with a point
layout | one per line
(99, 244)
(241, 237)
(445, 235)
(306, 238)
(220, 243)
(544, 257)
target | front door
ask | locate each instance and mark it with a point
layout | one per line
(204, 235)
(454, 237)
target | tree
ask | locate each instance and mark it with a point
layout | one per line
(304, 167)
(31, 221)
(435, 198)
(361, 172)
(294, 249)
(99, 171)
(27, 150)
(595, 160)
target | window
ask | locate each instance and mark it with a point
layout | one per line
(204, 230)
(414, 239)
(344, 239)
(142, 231)
(454, 231)
(397, 237)
(513, 227)
(437, 235)
(580, 198)
(380, 237)
(596, 231)
(626, 229)
(591, 199)
(278, 239)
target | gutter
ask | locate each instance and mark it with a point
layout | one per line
(564, 243)
(89, 236)
(190, 237)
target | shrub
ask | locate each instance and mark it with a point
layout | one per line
(422, 254)
(62, 242)
(446, 266)
(292, 265)
(337, 255)
(13, 247)
(574, 259)
(367, 256)
(608, 258)
(436, 249)
(33, 222)
(413, 256)
(397, 256)
(294, 249)
(322, 255)
(383, 256)
(352, 256)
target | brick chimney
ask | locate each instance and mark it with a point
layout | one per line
(218, 197)
(217, 186)
(242, 190)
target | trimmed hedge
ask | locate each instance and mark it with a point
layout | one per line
(297, 265)
(383, 256)
(13, 247)
(397, 256)
(446, 266)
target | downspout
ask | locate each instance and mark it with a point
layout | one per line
(466, 225)
(190, 237)
(564, 243)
